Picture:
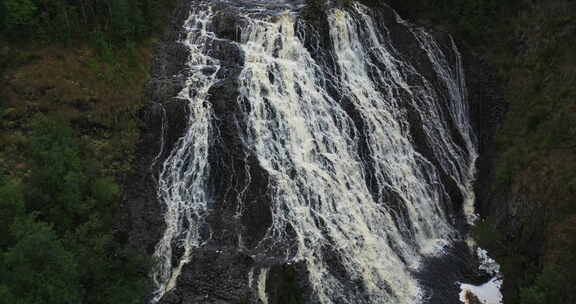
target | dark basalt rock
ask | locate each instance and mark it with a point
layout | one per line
(488, 109)
(141, 222)
(215, 276)
(218, 273)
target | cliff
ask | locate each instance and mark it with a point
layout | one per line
(217, 273)
(525, 185)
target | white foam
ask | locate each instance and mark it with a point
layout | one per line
(308, 145)
(489, 292)
(181, 182)
(262, 279)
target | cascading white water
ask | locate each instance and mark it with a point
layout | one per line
(303, 139)
(398, 167)
(262, 279)
(183, 178)
(308, 144)
(458, 161)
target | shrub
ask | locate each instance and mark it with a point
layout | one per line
(61, 215)
(38, 267)
(19, 13)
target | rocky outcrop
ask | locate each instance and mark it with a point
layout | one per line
(226, 269)
(488, 110)
(216, 275)
(141, 222)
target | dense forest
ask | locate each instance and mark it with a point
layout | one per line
(72, 75)
(118, 21)
(529, 222)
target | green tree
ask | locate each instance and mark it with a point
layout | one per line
(38, 269)
(57, 188)
(60, 19)
(66, 191)
(19, 13)
(127, 20)
(553, 285)
(11, 207)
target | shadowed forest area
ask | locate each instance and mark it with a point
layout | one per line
(72, 75)
(529, 214)
(529, 221)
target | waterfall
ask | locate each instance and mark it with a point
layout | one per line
(183, 177)
(350, 190)
(305, 141)
(262, 277)
(448, 151)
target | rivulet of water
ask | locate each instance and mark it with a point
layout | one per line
(183, 177)
(360, 204)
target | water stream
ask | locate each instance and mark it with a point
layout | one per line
(351, 190)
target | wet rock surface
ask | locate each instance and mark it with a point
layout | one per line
(142, 223)
(220, 272)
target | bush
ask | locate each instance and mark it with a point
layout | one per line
(58, 218)
(62, 20)
(39, 267)
(11, 207)
(552, 286)
(19, 13)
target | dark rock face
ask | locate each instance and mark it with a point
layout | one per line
(219, 272)
(142, 220)
(488, 110)
(216, 275)
(213, 276)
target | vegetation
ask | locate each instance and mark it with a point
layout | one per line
(71, 84)
(56, 225)
(71, 78)
(530, 45)
(288, 291)
(537, 148)
(119, 20)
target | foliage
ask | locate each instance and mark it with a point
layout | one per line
(56, 189)
(119, 20)
(289, 291)
(82, 65)
(58, 219)
(11, 207)
(553, 285)
(486, 233)
(529, 43)
(19, 13)
(38, 268)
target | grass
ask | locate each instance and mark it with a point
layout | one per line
(99, 97)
